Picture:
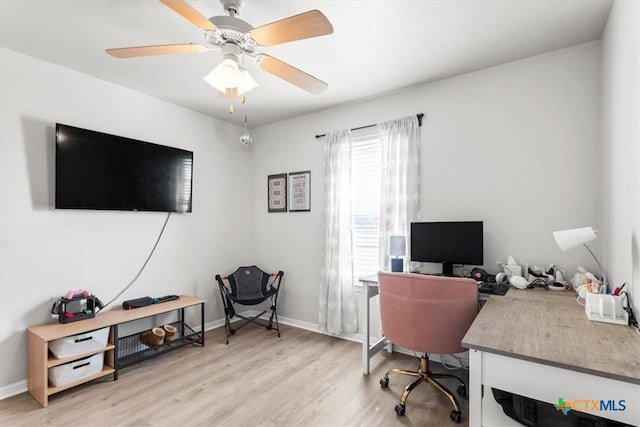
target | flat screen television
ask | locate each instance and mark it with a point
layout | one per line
(96, 170)
(453, 242)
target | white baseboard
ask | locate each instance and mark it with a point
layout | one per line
(13, 389)
(313, 327)
(212, 325)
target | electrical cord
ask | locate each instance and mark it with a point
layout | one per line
(443, 363)
(465, 272)
(633, 322)
(448, 367)
(459, 359)
(143, 265)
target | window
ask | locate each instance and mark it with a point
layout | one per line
(366, 166)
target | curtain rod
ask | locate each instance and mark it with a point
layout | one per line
(419, 116)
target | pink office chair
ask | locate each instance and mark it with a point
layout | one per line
(427, 314)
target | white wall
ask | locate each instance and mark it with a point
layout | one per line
(45, 253)
(516, 145)
(621, 146)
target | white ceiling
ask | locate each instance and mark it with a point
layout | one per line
(377, 46)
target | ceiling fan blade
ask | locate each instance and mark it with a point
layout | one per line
(298, 27)
(163, 49)
(185, 10)
(291, 74)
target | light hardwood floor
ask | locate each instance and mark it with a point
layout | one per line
(301, 379)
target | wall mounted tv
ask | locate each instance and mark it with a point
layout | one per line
(96, 170)
(454, 242)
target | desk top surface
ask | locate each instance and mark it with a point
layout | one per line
(552, 328)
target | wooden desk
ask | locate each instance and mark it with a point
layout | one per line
(540, 344)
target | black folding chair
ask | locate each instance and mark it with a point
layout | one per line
(249, 286)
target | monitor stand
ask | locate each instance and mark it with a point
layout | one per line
(447, 269)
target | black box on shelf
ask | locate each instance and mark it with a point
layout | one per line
(77, 308)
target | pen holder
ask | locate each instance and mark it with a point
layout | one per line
(606, 308)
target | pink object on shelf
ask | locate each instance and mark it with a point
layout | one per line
(78, 293)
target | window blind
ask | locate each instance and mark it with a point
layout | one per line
(366, 166)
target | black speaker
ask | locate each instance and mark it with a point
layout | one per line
(137, 303)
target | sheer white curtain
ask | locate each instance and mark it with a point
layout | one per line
(400, 184)
(337, 304)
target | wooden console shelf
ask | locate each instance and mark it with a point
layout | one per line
(118, 352)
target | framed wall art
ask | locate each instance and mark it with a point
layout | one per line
(277, 193)
(300, 191)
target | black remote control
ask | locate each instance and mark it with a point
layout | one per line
(165, 298)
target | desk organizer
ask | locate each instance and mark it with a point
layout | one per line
(606, 308)
(77, 308)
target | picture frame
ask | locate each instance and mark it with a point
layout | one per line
(300, 191)
(277, 193)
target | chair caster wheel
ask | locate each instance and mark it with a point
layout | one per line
(384, 382)
(400, 409)
(462, 390)
(456, 417)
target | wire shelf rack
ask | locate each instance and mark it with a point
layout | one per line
(131, 350)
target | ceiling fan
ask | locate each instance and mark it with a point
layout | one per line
(236, 38)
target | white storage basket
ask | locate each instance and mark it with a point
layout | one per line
(78, 369)
(76, 344)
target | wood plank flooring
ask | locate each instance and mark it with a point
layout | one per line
(301, 379)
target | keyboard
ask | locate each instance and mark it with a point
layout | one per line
(492, 288)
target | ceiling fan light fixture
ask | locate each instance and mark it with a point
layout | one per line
(246, 83)
(228, 75)
(227, 72)
(225, 75)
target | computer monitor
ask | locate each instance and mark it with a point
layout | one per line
(452, 242)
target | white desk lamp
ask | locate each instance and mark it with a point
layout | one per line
(397, 249)
(570, 239)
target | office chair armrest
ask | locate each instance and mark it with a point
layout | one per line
(277, 277)
(221, 284)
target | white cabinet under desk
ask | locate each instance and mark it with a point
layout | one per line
(539, 344)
